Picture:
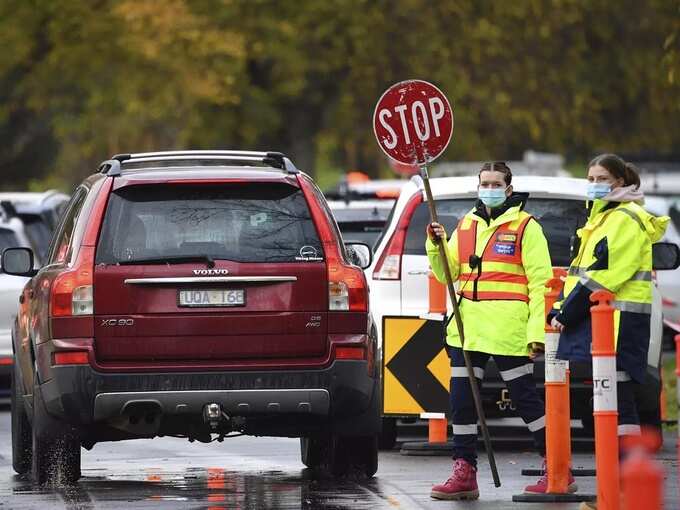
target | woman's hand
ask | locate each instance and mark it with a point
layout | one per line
(436, 232)
(557, 325)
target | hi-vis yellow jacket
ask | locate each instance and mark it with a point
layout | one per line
(509, 311)
(615, 254)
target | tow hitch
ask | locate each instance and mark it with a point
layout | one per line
(213, 415)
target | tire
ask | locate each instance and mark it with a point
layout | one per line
(56, 461)
(388, 436)
(56, 450)
(353, 456)
(21, 429)
(312, 450)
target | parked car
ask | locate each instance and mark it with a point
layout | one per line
(361, 220)
(376, 189)
(194, 294)
(668, 281)
(12, 235)
(398, 275)
(40, 213)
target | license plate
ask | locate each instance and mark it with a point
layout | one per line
(212, 297)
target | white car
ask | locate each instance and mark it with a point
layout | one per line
(398, 275)
(668, 281)
(12, 234)
(39, 211)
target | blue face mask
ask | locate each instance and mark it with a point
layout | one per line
(598, 190)
(492, 197)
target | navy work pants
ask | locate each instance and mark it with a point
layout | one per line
(517, 373)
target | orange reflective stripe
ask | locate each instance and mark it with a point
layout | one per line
(491, 296)
(495, 276)
(467, 239)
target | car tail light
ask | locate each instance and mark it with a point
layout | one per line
(71, 292)
(6, 360)
(347, 286)
(70, 358)
(347, 289)
(388, 266)
(350, 353)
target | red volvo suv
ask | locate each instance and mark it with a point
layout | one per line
(195, 294)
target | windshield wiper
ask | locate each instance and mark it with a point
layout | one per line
(173, 259)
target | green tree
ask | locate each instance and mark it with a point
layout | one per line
(84, 79)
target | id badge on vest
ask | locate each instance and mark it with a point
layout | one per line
(505, 244)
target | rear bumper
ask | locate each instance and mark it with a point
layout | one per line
(341, 395)
(233, 402)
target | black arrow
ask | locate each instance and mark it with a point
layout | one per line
(409, 366)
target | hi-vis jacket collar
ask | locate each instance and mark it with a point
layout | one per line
(508, 216)
(653, 226)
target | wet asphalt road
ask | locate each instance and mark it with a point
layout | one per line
(257, 473)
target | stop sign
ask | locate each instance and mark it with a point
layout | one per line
(413, 122)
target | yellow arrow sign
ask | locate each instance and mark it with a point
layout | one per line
(416, 367)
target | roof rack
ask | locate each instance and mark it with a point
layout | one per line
(113, 167)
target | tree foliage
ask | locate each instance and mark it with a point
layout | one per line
(84, 79)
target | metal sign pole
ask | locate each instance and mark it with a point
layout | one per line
(459, 324)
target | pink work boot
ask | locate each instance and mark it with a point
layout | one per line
(462, 484)
(541, 486)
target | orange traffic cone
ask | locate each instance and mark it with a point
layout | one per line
(641, 476)
(605, 410)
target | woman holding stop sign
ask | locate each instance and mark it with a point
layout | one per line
(499, 256)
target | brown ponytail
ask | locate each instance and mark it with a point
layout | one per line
(618, 168)
(632, 175)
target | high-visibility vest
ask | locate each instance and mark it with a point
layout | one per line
(501, 276)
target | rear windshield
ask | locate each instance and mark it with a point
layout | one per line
(559, 218)
(266, 222)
